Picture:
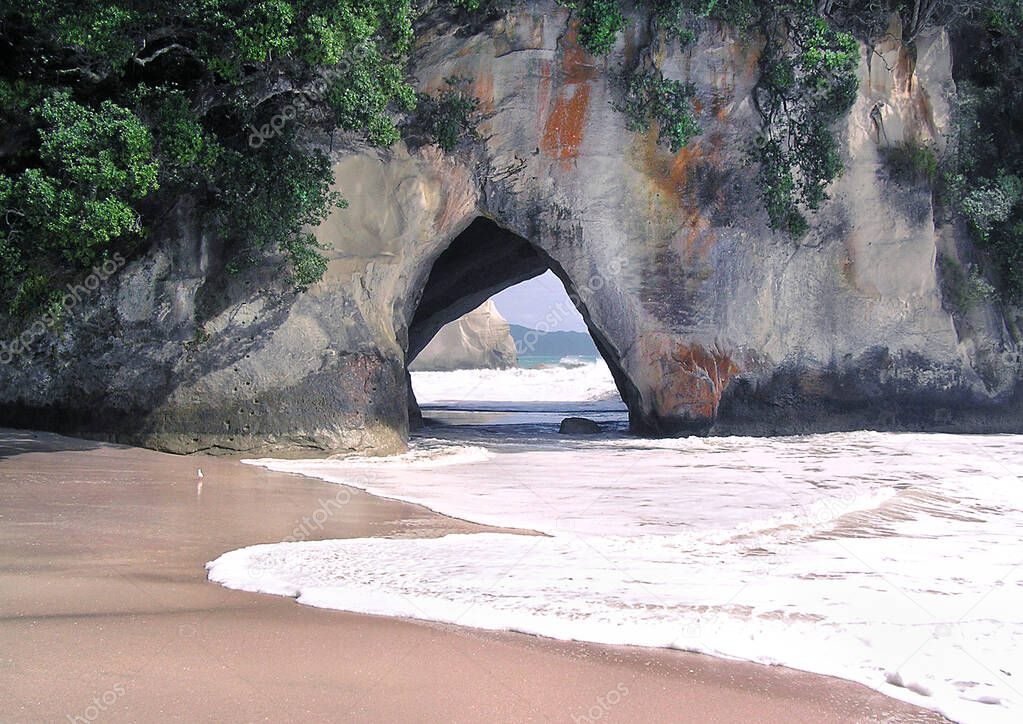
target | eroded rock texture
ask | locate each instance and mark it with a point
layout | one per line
(707, 319)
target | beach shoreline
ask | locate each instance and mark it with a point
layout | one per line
(107, 615)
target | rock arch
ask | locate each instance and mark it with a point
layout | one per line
(485, 259)
(707, 319)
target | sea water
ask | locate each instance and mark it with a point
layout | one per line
(894, 560)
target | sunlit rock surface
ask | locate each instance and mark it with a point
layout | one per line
(480, 339)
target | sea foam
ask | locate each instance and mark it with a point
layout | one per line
(573, 380)
(888, 559)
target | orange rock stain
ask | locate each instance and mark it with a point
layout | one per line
(483, 89)
(566, 123)
(699, 381)
(672, 178)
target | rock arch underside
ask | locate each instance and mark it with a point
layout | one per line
(709, 321)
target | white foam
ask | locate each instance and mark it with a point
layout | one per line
(574, 380)
(423, 454)
(892, 560)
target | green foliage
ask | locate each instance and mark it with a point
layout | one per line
(264, 197)
(265, 31)
(982, 173)
(77, 199)
(114, 110)
(183, 145)
(447, 118)
(650, 97)
(17, 99)
(106, 101)
(473, 6)
(988, 203)
(965, 289)
(104, 152)
(911, 163)
(600, 21)
(12, 263)
(807, 82)
(679, 19)
(778, 186)
(1003, 16)
(100, 30)
(308, 264)
(361, 98)
(267, 198)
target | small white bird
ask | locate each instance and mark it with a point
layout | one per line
(199, 473)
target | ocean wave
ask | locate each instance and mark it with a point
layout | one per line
(891, 560)
(423, 454)
(572, 380)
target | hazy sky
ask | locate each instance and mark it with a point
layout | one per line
(541, 299)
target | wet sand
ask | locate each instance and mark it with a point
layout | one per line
(106, 615)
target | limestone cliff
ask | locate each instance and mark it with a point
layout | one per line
(707, 319)
(480, 339)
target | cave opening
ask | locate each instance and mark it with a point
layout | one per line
(499, 336)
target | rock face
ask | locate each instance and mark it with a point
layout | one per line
(707, 319)
(480, 339)
(578, 426)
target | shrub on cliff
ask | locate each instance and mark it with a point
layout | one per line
(650, 97)
(807, 82)
(983, 173)
(600, 21)
(446, 118)
(77, 195)
(964, 288)
(911, 163)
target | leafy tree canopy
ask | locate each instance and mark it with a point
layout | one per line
(107, 101)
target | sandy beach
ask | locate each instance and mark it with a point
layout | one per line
(106, 615)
